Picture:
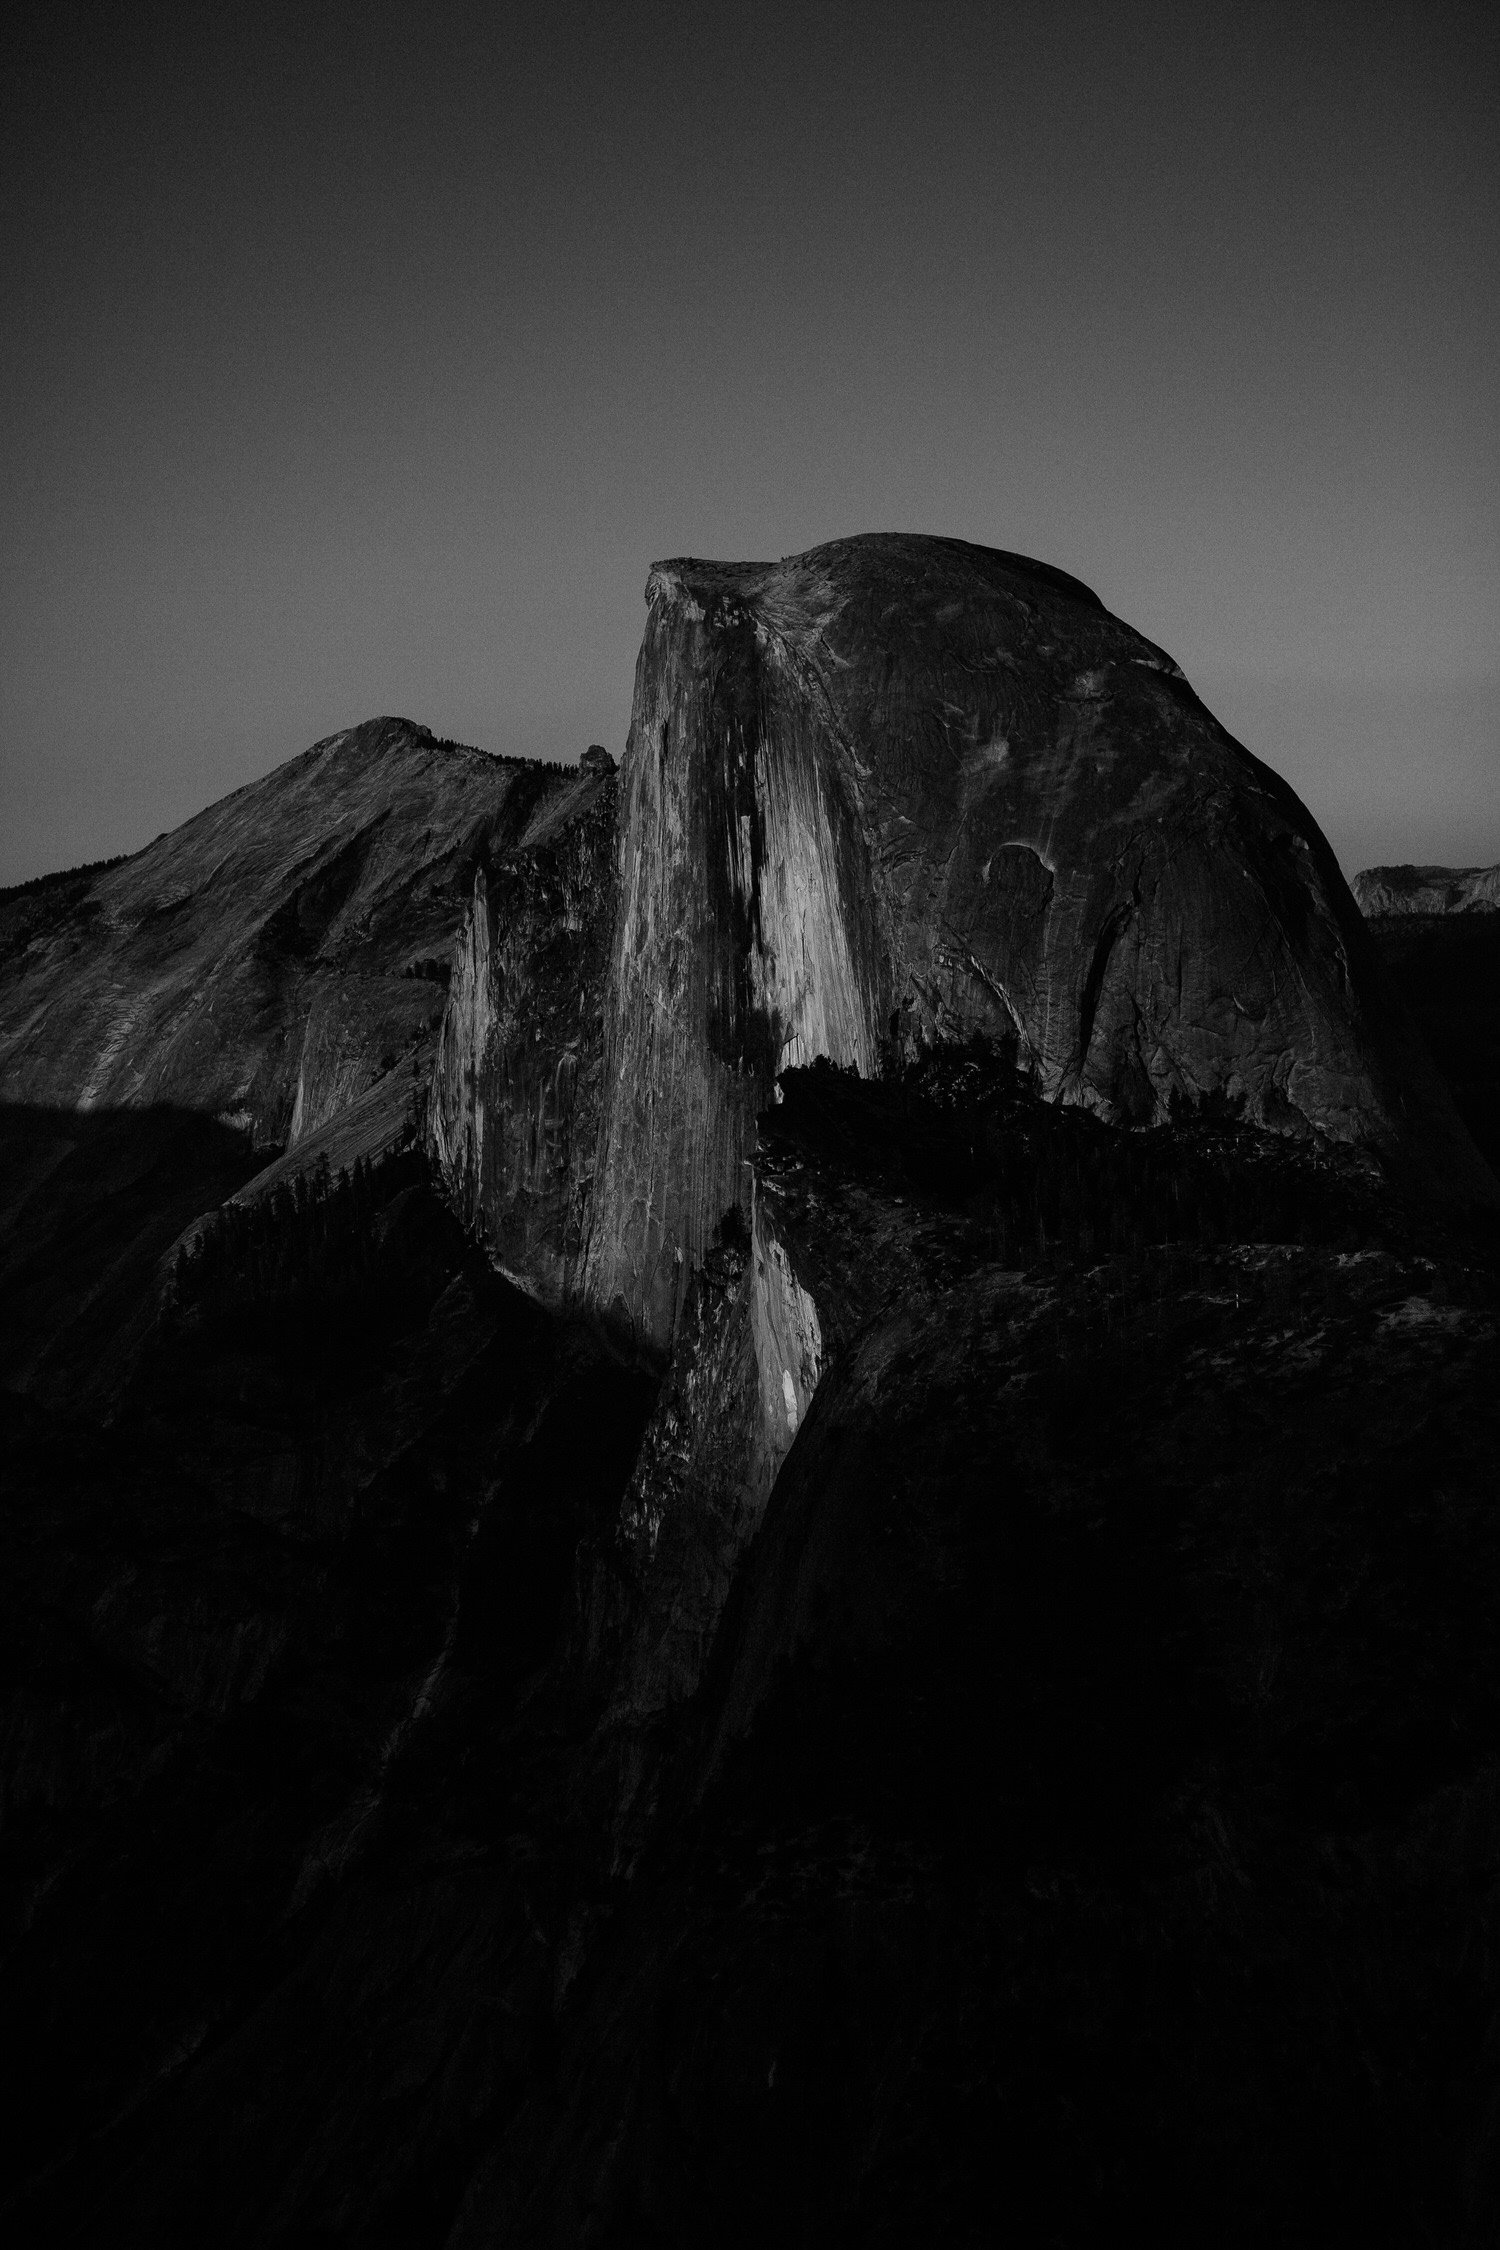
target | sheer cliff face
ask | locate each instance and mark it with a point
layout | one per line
(278, 962)
(514, 1111)
(903, 790)
(747, 1360)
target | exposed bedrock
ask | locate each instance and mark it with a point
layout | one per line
(747, 1358)
(1428, 890)
(514, 1112)
(901, 790)
(278, 962)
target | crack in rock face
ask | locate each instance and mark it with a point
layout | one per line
(513, 1114)
(902, 791)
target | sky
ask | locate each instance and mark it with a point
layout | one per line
(362, 360)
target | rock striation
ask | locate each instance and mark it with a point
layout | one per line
(514, 1109)
(901, 791)
(279, 962)
(1428, 890)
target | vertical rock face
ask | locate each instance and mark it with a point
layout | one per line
(898, 791)
(746, 1362)
(514, 1111)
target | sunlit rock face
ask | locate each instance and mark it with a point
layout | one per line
(747, 1359)
(514, 1111)
(281, 960)
(902, 790)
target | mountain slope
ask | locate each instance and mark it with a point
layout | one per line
(275, 958)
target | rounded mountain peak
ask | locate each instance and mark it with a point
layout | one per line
(900, 791)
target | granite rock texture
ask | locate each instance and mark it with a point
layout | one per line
(901, 791)
(1428, 890)
(512, 1120)
(746, 1362)
(274, 960)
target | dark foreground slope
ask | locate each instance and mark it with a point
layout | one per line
(1089, 1811)
(1090, 1815)
(332, 1508)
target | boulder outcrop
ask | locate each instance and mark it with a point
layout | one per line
(903, 791)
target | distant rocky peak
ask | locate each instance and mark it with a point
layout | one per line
(1428, 890)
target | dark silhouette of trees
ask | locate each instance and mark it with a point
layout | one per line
(328, 1264)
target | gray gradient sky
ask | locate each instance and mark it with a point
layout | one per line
(362, 361)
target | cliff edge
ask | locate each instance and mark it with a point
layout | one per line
(902, 791)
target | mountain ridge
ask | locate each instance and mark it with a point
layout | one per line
(269, 960)
(1427, 890)
(804, 1570)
